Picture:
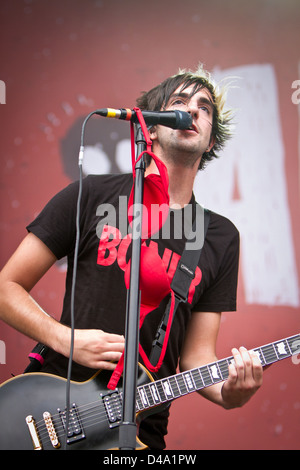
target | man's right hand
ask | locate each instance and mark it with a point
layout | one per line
(97, 349)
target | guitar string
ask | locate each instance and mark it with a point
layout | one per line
(94, 411)
(85, 412)
(86, 423)
(89, 413)
(89, 408)
(86, 419)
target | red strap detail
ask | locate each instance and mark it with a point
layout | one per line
(146, 135)
(115, 377)
(132, 142)
(36, 356)
(144, 128)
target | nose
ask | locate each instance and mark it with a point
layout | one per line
(193, 108)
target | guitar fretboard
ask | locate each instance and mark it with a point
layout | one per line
(170, 388)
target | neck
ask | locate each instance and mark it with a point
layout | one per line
(181, 182)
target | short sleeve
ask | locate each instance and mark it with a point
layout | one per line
(221, 293)
(56, 224)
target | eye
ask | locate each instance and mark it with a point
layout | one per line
(205, 108)
(178, 102)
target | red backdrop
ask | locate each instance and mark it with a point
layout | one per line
(62, 59)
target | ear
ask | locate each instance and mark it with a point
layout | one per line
(152, 133)
(211, 144)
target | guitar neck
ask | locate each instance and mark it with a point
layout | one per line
(167, 389)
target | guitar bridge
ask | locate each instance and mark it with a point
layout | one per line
(33, 432)
(113, 407)
(75, 429)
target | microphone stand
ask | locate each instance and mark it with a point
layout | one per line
(128, 428)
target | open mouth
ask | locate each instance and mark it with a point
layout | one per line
(193, 128)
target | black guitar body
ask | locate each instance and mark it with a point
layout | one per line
(93, 421)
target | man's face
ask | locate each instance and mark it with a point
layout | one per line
(186, 147)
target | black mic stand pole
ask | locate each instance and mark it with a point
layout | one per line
(128, 428)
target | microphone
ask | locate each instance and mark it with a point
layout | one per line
(174, 119)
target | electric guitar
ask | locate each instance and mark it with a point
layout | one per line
(32, 406)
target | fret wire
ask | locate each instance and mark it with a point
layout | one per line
(154, 391)
(197, 379)
(210, 375)
(263, 356)
(189, 381)
(260, 355)
(181, 384)
(188, 384)
(149, 394)
(144, 397)
(275, 351)
(205, 375)
(294, 344)
(218, 367)
(176, 385)
(167, 388)
(173, 382)
(138, 400)
(161, 391)
(270, 353)
(229, 361)
(288, 346)
(223, 367)
(290, 343)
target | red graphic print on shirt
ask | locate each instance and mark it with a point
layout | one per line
(113, 248)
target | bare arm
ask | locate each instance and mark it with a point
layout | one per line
(32, 259)
(245, 377)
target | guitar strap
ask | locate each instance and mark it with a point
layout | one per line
(184, 274)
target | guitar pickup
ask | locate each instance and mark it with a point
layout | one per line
(75, 429)
(113, 407)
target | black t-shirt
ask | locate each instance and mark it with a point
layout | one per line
(104, 251)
